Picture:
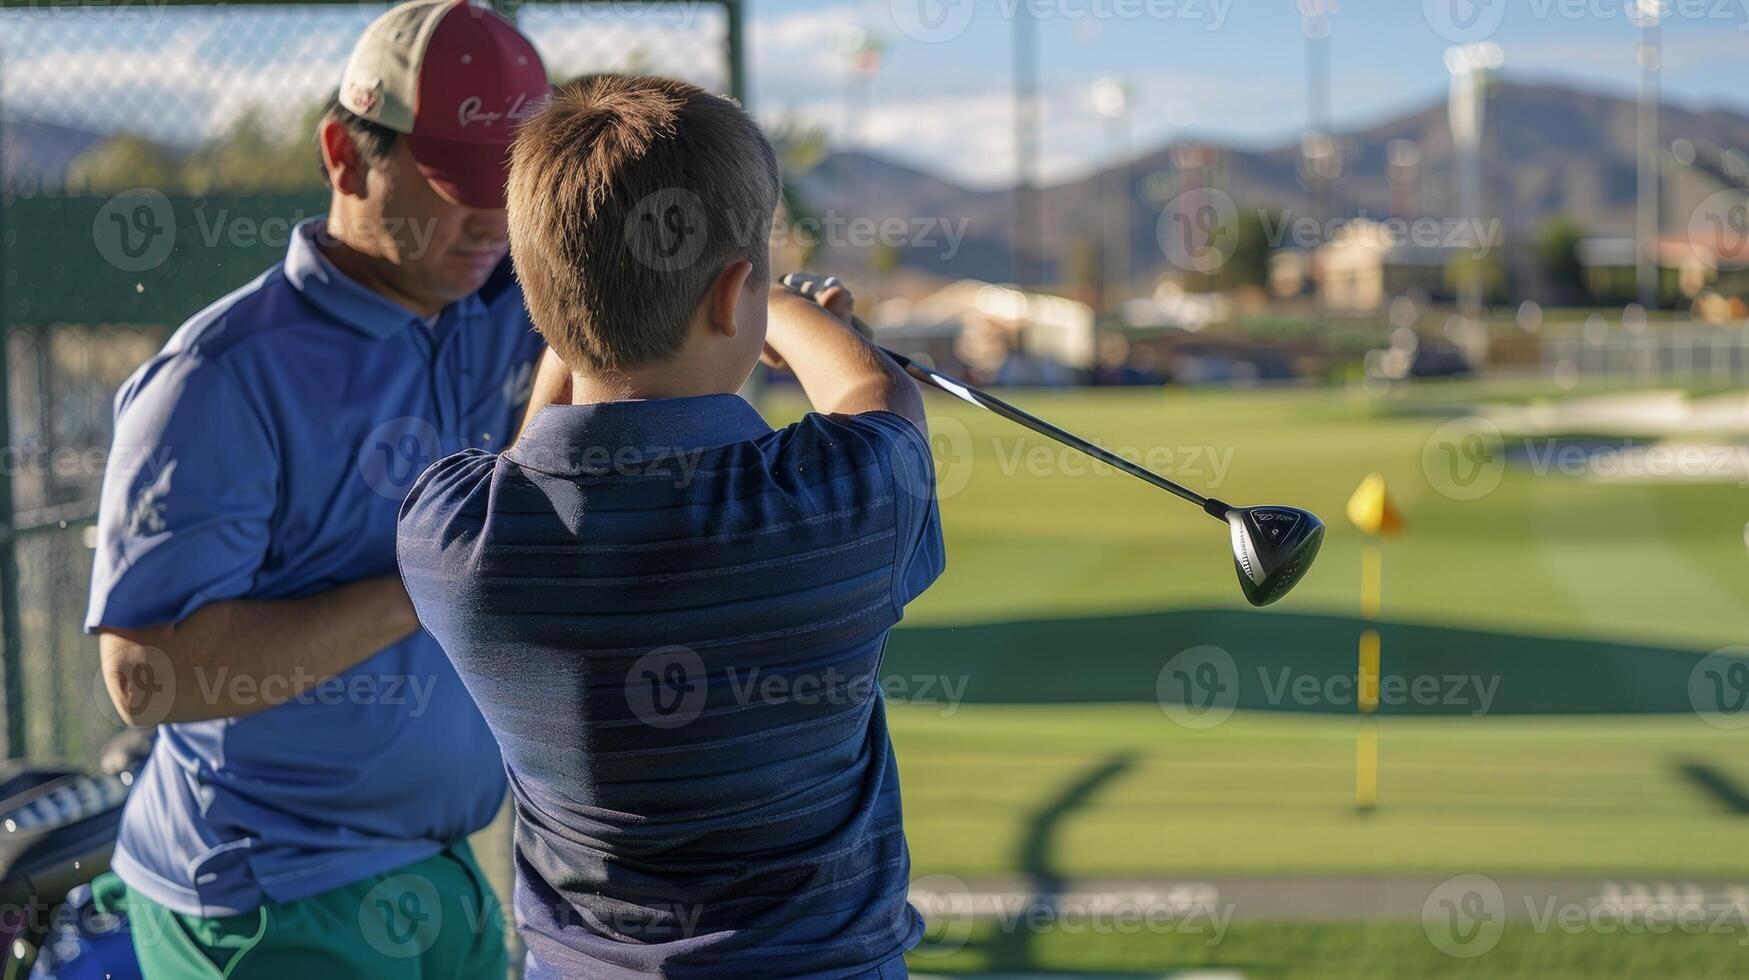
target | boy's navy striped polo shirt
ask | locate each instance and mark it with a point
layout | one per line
(672, 617)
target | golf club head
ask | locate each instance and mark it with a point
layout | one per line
(1273, 548)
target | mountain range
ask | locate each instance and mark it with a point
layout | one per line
(1548, 150)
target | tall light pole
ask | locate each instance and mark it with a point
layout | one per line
(1025, 145)
(1471, 67)
(864, 52)
(1649, 52)
(1319, 162)
(1111, 99)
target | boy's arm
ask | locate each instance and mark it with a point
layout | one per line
(841, 372)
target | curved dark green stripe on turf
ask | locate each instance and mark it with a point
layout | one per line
(1116, 659)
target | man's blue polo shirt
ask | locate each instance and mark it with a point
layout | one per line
(673, 617)
(264, 454)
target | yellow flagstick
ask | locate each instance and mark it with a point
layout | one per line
(1370, 510)
(1368, 685)
(1366, 750)
(1366, 766)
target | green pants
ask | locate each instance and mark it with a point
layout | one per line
(436, 918)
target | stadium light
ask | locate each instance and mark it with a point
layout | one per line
(1646, 14)
(1111, 99)
(1471, 66)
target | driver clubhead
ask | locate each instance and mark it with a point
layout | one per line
(1273, 548)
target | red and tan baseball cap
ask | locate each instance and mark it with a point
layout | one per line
(455, 79)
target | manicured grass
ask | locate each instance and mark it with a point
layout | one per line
(1033, 533)
(1345, 951)
(1002, 790)
(1016, 792)
(1077, 790)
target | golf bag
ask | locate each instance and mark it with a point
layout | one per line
(57, 830)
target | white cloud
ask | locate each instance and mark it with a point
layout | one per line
(969, 136)
(1614, 57)
(183, 75)
(802, 47)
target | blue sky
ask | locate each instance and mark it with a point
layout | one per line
(1233, 69)
(1227, 69)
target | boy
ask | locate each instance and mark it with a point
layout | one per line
(670, 614)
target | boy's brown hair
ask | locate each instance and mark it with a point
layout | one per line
(627, 197)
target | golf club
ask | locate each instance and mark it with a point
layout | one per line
(1273, 545)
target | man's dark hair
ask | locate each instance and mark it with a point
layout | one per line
(375, 141)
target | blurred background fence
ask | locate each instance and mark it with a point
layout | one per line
(154, 157)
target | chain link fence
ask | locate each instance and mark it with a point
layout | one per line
(154, 156)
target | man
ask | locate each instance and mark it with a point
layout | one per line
(305, 810)
(672, 615)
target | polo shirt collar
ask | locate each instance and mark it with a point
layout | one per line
(569, 440)
(343, 298)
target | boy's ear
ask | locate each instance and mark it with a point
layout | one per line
(725, 295)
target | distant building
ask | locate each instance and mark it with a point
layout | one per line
(1363, 266)
(997, 334)
(1690, 263)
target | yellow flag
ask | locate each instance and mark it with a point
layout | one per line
(1370, 508)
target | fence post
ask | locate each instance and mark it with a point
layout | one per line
(737, 61)
(11, 636)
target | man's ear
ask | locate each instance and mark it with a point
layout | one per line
(346, 167)
(725, 295)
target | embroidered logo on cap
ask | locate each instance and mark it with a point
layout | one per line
(472, 110)
(365, 98)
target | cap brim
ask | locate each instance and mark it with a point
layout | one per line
(470, 174)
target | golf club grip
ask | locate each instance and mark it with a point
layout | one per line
(965, 392)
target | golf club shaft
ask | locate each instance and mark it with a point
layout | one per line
(959, 389)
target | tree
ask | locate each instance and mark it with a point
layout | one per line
(1485, 269)
(1084, 268)
(800, 147)
(249, 157)
(1557, 250)
(1248, 262)
(123, 163)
